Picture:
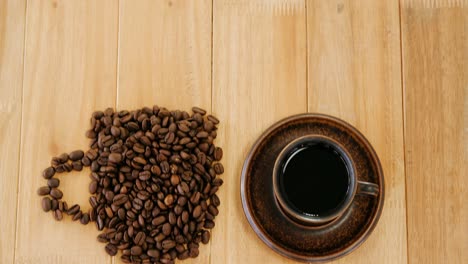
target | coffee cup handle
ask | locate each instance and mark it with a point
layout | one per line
(367, 188)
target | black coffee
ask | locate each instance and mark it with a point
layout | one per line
(314, 179)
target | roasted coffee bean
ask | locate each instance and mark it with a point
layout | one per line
(56, 193)
(144, 175)
(153, 182)
(205, 237)
(169, 200)
(209, 224)
(111, 249)
(93, 187)
(168, 244)
(154, 253)
(213, 119)
(76, 155)
(77, 165)
(139, 238)
(197, 211)
(65, 206)
(219, 169)
(60, 206)
(183, 255)
(115, 158)
(158, 220)
(58, 215)
(99, 223)
(44, 190)
(193, 252)
(199, 110)
(213, 210)
(136, 251)
(73, 210)
(120, 199)
(46, 204)
(53, 182)
(63, 157)
(84, 219)
(53, 204)
(218, 154)
(48, 173)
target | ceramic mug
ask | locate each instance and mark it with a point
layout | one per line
(354, 186)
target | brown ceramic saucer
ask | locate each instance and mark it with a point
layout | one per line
(278, 231)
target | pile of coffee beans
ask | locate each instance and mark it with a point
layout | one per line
(154, 178)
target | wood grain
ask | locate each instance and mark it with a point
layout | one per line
(271, 59)
(165, 54)
(165, 59)
(259, 77)
(435, 73)
(354, 73)
(12, 17)
(70, 70)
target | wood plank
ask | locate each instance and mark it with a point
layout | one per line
(165, 54)
(70, 71)
(435, 73)
(259, 77)
(165, 59)
(12, 17)
(354, 73)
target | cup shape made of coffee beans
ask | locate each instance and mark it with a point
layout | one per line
(154, 178)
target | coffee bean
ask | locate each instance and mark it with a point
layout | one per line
(218, 154)
(197, 211)
(195, 198)
(77, 165)
(84, 219)
(58, 215)
(46, 204)
(139, 238)
(153, 182)
(172, 218)
(209, 224)
(158, 220)
(44, 190)
(48, 173)
(120, 199)
(73, 210)
(93, 187)
(111, 249)
(183, 255)
(140, 160)
(76, 155)
(56, 193)
(202, 134)
(115, 158)
(144, 175)
(193, 252)
(198, 110)
(168, 244)
(63, 157)
(136, 251)
(219, 169)
(154, 253)
(169, 200)
(166, 229)
(99, 223)
(53, 204)
(53, 182)
(60, 206)
(205, 237)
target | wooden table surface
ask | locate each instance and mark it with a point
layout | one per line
(397, 70)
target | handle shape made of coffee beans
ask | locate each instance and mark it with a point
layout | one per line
(367, 188)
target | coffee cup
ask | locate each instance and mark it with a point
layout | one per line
(315, 180)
